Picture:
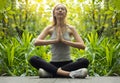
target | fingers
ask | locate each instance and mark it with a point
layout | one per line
(59, 34)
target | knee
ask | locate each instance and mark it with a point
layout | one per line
(33, 59)
(84, 61)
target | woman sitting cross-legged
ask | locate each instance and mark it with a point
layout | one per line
(61, 64)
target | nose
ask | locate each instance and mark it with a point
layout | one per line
(60, 10)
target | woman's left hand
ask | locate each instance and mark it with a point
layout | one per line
(61, 35)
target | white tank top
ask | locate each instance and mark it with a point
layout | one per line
(60, 51)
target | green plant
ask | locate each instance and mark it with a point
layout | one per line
(103, 54)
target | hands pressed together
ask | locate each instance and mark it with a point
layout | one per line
(59, 37)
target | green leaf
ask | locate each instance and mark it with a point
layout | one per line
(11, 12)
(1, 16)
(2, 5)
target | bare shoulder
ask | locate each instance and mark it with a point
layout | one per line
(71, 27)
(48, 27)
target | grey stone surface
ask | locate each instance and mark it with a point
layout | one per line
(36, 79)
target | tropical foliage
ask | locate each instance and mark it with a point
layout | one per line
(97, 21)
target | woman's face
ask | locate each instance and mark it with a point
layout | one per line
(60, 11)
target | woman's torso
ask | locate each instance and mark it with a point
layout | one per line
(60, 51)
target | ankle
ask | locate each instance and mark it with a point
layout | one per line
(62, 72)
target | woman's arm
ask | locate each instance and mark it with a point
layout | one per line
(40, 39)
(79, 43)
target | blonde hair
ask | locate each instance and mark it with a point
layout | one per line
(54, 18)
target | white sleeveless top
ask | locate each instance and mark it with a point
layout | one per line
(60, 51)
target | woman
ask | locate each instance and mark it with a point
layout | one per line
(60, 32)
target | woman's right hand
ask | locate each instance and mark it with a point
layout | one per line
(58, 35)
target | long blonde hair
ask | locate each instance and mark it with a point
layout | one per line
(54, 18)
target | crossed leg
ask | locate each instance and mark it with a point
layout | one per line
(64, 70)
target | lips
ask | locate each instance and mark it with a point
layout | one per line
(60, 13)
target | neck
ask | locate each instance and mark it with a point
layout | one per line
(60, 23)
